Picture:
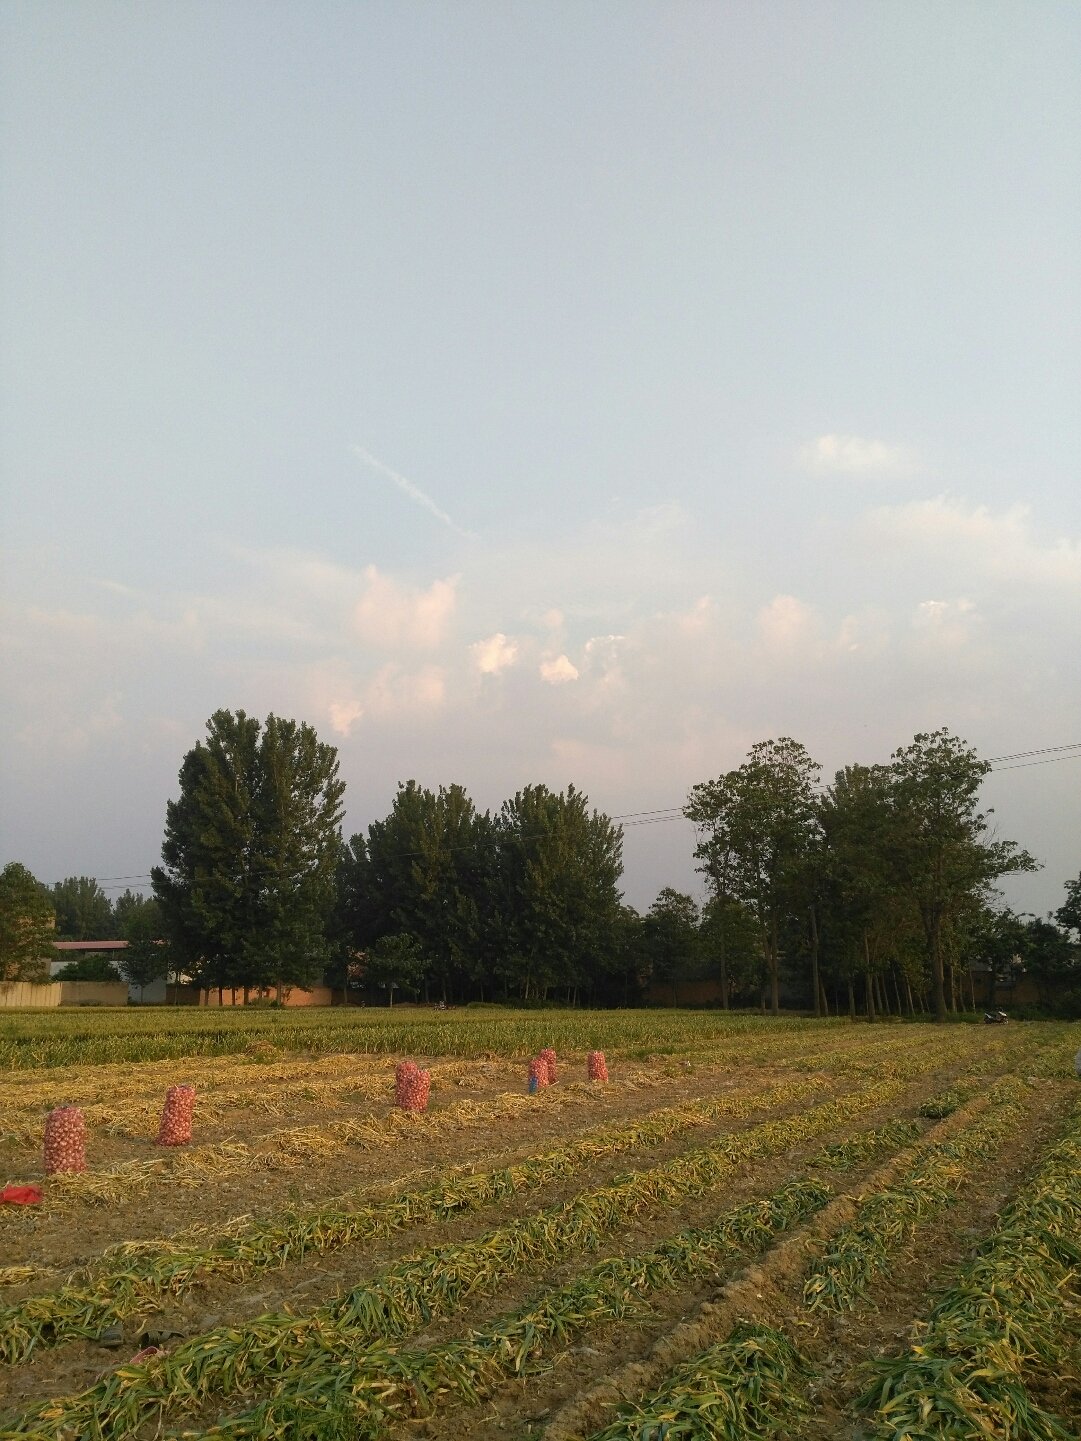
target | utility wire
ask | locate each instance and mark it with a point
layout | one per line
(662, 815)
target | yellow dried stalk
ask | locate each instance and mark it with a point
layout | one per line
(294, 1146)
(434, 1282)
(130, 1275)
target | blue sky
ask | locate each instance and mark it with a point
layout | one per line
(520, 392)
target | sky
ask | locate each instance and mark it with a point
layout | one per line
(537, 392)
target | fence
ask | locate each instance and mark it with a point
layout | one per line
(63, 993)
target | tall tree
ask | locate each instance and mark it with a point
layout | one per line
(731, 947)
(250, 853)
(395, 963)
(427, 871)
(942, 850)
(670, 933)
(27, 926)
(83, 910)
(146, 958)
(1068, 914)
(865, 921)
(560, 867)
(758, 824)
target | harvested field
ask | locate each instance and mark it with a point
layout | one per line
(753, 1228)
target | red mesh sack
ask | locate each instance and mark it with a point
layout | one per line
(404, 1072)
(414, 1090)
(548, 1056)
(538, 1071)
(596, 1066)
(175, 1128)
(65, 1140)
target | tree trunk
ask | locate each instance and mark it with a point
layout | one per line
(867, 979)
(724, 973)
(908, 996)
(934, 945)
(814, 963)
(851, 1000)
(774, 968)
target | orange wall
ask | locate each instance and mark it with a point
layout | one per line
(317, 996)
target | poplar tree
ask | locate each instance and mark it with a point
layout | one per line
(759, 825)
(250, 854)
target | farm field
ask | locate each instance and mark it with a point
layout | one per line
(754, 1228)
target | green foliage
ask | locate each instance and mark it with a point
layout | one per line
(941, 850)
(742, 1389)
(760, 825)
(250, 854)
(671, 937)
(27, 926)
(965, 1375)
(147, 956)
(560, 866)
(83, 911)
(1068, 914)
(426, 871)
(395, 963)
(731, 949)
(91, 966)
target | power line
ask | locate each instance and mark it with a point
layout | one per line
(1043, 751)
(1023, 765)
(662, 815)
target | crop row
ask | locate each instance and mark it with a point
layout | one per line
(711, 1392)
(358, 1400)
(292, 1147)
(1009, 1310)
(410, 1293)
(358, 1397)
(733, 1391)
(131, 1276)
(862, 1249)
(98, 1084)
(29, 1040)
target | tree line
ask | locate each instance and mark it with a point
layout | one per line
(872, 893)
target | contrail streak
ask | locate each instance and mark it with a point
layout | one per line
(414, 492)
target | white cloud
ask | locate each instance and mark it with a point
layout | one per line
(391, 616)
(414, 492)
(786, 622)
(494, 654)
(344, 715)
(700, 616)
(1002, 546)
(558, 671)
(945, 624)
(865, 634)
(854, 455)
(393, 692)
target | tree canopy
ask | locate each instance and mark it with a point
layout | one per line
(877, 882)
(27, 926)
(83, 911)
(250, 854)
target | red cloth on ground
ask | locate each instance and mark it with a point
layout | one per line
(21, 1195)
